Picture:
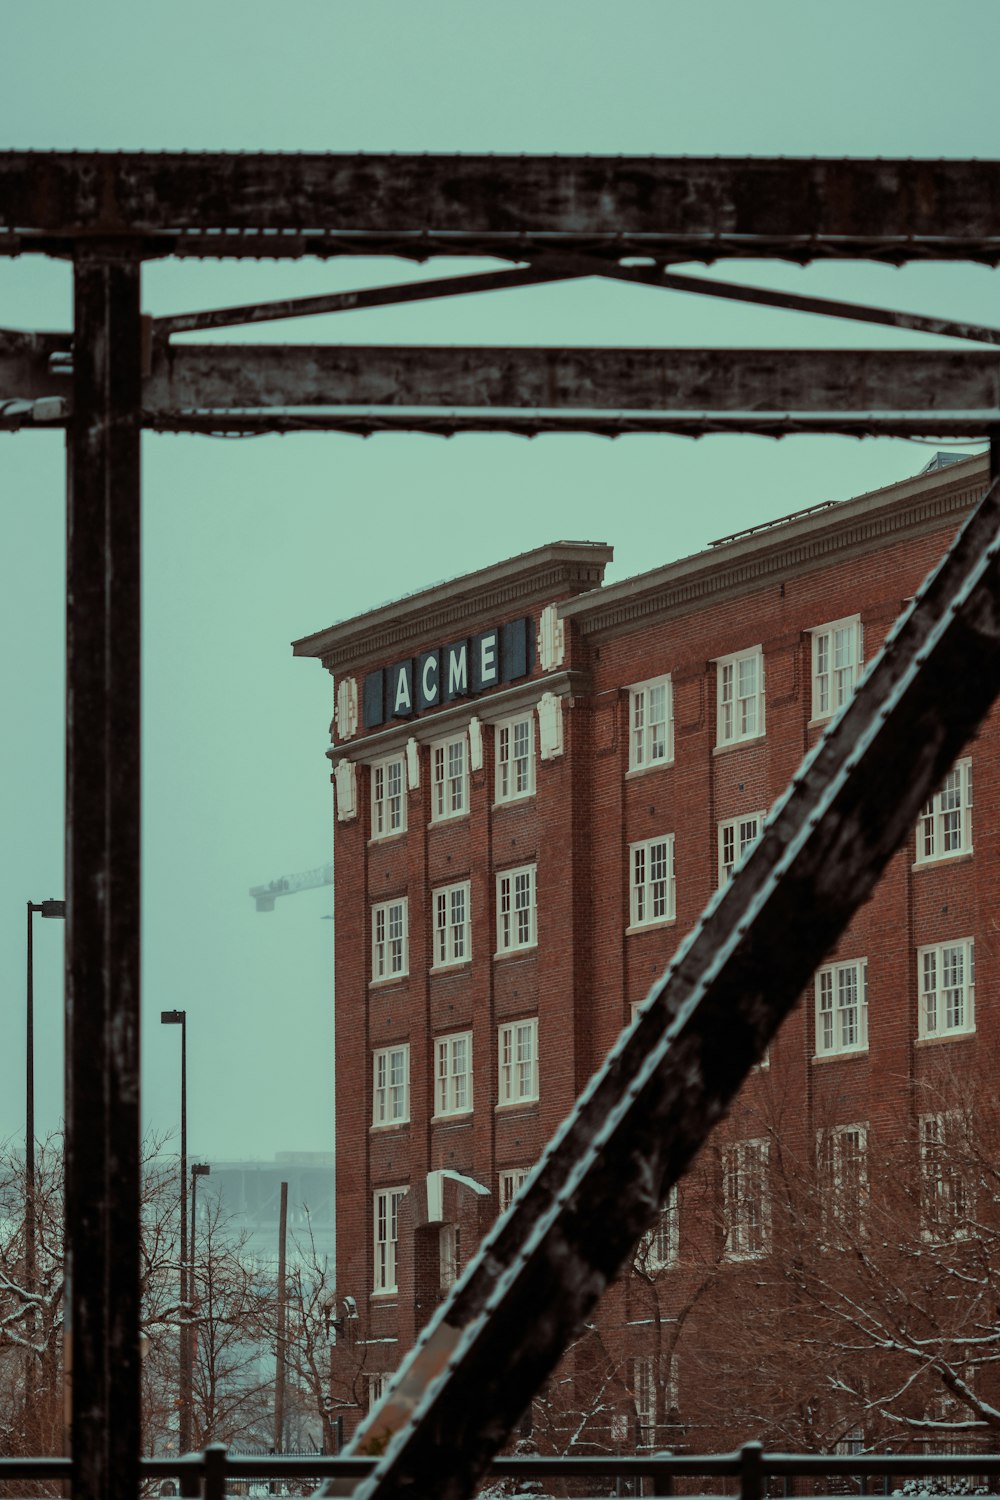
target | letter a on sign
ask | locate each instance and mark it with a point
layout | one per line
(401, 689)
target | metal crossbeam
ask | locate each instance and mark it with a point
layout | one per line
(677, 207)
(673, 1074)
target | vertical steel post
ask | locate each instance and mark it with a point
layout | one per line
(280, 1351)
(30, 1228)
(102, 865)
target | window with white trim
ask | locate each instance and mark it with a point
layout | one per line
(377, 1387)
(652, 1406)
(842, 1008)
(449, 778)
(659, 1246)
(653, 895)
(386, 1236)
(746, 1200)
(944, 827)
(740, 693)
(837, 659)
(843, 1171)
(516, 909)
(391, 1085)
(518, 1062)
(946, 978)
(651, 724)
(510, 1183)
(515, 758)
(449, 1254)
(736, 836)
(388, 780)
(452, 927)
(390, 947)
(453, 1074)
(947, 1194)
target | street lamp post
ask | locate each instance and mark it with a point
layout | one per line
(198, 1169)
(179, 1018)
(48, 908)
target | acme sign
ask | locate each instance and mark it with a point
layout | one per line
(460, 670)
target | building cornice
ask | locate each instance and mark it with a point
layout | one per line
(489, 710)
(402, 627)
(782, 551)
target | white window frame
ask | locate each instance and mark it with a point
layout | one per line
(652, 883)
(944, 827)
(451, 914)
(388, 797)
(643, 1384)
(449, 1255)
(746, 1200)
(517, 1062)
(947, 1190)
(378, 1384)
(842, 1153)
(453, 1073)
(514, 768)
(946, 1008)
(740, 696)
(449, 761)
(391, 1085)
(660, 1246)
(736, 837)
(390, 940)
(385, 1238)
(509, 1183)
(517, 909)
(651, 724)
(842, 1008)
(838, 655)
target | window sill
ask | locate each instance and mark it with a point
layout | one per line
(841, 1055)
(387, 838)
(513, 801)
(650, 926)
(751, 739)
(528, 950)
(458, 963)
(635, 773)
(528, 1106)
(388, 981)
(453, 1117)
(389, 1294)
(385, 1125)
(957, 1034)
(448, 819)
(960, 857)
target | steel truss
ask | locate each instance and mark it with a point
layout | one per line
(643, 1118)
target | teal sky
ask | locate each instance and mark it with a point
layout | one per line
(251, 543)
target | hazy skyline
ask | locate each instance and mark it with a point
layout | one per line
(250, 544)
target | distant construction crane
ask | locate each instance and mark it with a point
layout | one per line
(289, 885)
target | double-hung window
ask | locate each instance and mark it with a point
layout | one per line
(516, 906)
(452, 928)
(518, 1062)
(843, 1164)
(842, 1008)
(740, 693)
(391, 1086)
(659, 1246)
(388, 797)
(515, 758)
(947, 1193)
(653, 885)
(453, 1074)
(386, 1237)
(837, 658)
(390, 949)
(946, 976)
(746, 1200)
(944, 827)
(651, 724)
(510, 1183)
(449, 778)
(736, 836)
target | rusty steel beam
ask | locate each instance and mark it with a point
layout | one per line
(102, 861)
(804, 208)
(644, 1116)
(221, 377)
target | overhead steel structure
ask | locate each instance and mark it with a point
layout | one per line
(643, 1118)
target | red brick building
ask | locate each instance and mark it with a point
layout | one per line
(540, 782)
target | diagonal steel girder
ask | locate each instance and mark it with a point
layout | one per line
(646, 1113)
(273, 205)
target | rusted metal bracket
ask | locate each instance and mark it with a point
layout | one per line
(671, 1077)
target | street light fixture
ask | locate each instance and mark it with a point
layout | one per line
(50, 908)
(179, 1018)
(198, 1169)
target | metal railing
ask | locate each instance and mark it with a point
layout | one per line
(217, 1472)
